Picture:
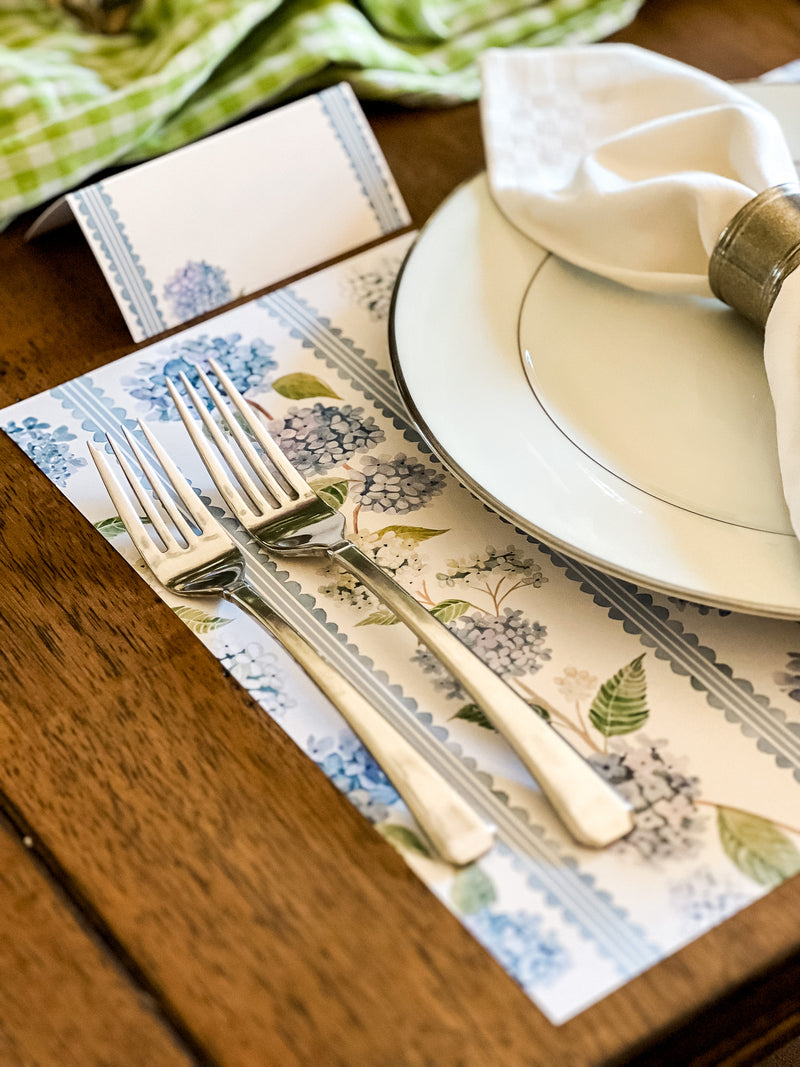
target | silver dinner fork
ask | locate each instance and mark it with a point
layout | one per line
(205, 561)
(289, 518)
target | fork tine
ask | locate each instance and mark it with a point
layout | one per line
(159, 492)
(257, 464)
(145, 501)
(296, 480)
(230, 493)
(119, 498)
(201, 516)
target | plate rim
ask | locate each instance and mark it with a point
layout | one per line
(525, 524)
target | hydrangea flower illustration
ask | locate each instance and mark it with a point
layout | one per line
(394, 554)
(474, 570)
(575, 684)
(372, 290)
(246, 363)
(257, 671)
(323, 436)
(531, 955)
(509, 643)
(394, 485)
(353, 770)
(347, 589)
(195, 288)
(48, 448)
(789, 679)
(703, 901)
(667, 823)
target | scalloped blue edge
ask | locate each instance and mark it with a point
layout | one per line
(339, 106)
(609, 593)
(66, 395)
(124, 264)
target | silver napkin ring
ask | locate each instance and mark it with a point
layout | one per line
(757, 251)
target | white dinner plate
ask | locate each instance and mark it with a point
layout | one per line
(630, 431)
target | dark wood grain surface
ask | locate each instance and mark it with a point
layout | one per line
(193, 888)
(63, 990)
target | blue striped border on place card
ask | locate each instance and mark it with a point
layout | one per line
(122, 262)
(338, 104)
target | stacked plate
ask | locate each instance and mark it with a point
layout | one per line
(633, 432)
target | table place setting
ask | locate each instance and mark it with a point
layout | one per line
(419, 391)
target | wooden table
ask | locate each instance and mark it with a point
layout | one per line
(179, 884)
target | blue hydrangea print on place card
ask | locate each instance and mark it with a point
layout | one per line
(353, 770)
(264, 200)
(195, 288)
(649, 688)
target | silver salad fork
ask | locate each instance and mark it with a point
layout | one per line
(285, 514)
(205, 561)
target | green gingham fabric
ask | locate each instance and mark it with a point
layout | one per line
(73, 103)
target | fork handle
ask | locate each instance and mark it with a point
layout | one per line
(458, 833)
(593, 812)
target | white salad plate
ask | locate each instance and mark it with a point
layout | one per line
(630, 431)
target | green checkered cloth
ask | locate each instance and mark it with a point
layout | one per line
(73, 103)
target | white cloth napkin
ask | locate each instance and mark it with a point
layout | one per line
(630, 165)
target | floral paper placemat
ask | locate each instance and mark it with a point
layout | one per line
(693, 713)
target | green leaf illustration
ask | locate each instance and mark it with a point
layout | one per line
(472, 713)
(472, 890)
(114, 526)
(332, 490)
(199, 622)
(384, 617)
(620, 706)
(403, 838)
(475, 714)
(239, 418)
(110, 528)
(301, 386)
(447, 610)
(416, 534)
(757, 847)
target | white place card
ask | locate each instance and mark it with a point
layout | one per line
(181, 235)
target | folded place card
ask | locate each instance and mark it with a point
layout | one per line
(191, 231)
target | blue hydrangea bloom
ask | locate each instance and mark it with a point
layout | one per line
(352, 769)
(509, 643)
(195, 288)
(247, 363)
(258, 672)
(47, 448)
(395, 485)
(662, 794)
(323, 436)
(528, 953)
